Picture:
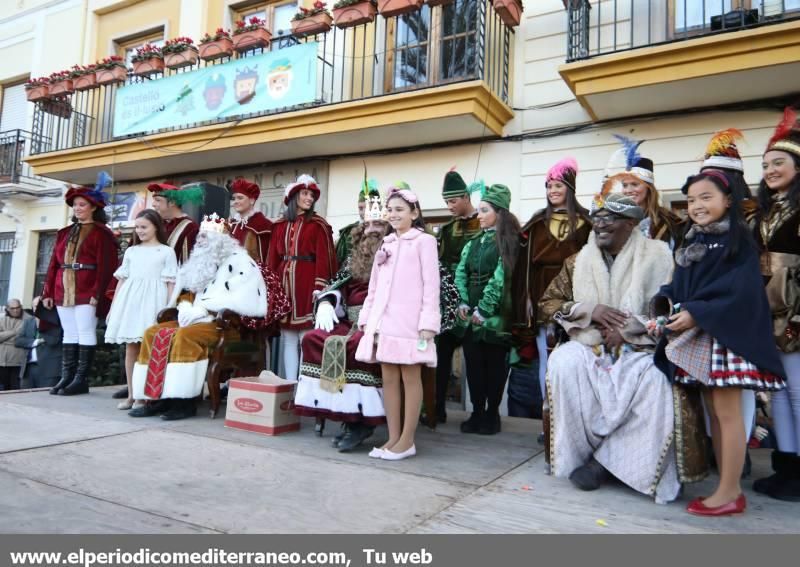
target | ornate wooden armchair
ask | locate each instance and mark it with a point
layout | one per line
(238, 349)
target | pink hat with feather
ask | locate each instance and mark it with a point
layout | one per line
(565, 171)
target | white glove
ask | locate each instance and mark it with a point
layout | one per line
(37, 342)
(326, 317)
(189, 313)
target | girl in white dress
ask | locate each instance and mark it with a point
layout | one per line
(146, 278)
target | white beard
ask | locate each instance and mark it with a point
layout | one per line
(209, 252)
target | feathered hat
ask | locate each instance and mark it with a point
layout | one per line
(180, 196)
(453, 185)
(303, 182)
(722, 153)
(94, 195)
(565, 171)
(247, 188)
(786, 137)
(635, 165)
(369, 188)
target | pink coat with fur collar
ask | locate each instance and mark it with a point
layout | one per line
(403, 300)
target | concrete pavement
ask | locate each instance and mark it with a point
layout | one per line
(78, 465)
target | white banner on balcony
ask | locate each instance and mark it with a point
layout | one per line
(255, 84)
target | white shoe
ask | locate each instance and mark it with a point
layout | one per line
(125, 405)
(389, 456)
(376, 453)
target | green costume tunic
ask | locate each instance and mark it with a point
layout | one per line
(483, 283)
(453, 236)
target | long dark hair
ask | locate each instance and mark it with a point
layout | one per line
(418, 222)
(765, 193)
(291, 208)
(98, 215)
(740, 234)
(155, 220)
(508, 236)
(574, 210)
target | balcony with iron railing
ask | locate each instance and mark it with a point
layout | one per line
(633, 57)
(437, 75)
(15, 146)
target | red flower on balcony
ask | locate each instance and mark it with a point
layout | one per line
(252, 24)
(145, 52)
(319, 8)
(219, 34)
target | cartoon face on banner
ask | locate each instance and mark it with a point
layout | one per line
(279, 78)
(245, 84)
(238, 286)
(214, 91)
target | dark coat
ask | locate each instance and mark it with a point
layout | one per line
(726, 298)
(47, 369)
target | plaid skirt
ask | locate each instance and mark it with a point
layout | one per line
(726, 368)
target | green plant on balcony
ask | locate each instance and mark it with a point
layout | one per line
(217, 45)
(83, 77)
(250, 34)
(147, 60)
(311, 21)
(111, 70)
(179, 52)
(350, 13)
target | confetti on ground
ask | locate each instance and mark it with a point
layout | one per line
(601, 523)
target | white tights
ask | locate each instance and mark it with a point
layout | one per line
(79, 324)
(786, 406)
(290, 353)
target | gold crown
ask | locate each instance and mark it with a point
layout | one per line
(213, 223)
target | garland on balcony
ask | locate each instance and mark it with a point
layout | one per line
(318, 8)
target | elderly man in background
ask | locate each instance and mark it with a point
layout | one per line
(42, 341)
(11, 357)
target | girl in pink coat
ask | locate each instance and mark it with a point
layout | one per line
(400, 318)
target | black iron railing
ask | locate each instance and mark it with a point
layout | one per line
(631, 24)
(15, 145)
(461, 41)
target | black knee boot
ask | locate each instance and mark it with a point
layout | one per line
(69, 364)
(80, 384)
(789, 489)
(780, 464)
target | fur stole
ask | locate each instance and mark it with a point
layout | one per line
(638, 272)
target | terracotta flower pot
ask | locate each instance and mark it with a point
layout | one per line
(37, 93)
(389, 8)
(61, 87)
(312, 25)
(111, 76)
(183, 58)
(510, 11)
(216, 49)
(252, 39)
(85, 82)
(148, 66)
(355, 15)
(433, 3)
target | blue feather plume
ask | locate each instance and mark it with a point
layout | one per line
(103, 181)
(630, 146)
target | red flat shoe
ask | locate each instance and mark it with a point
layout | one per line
(698, 508)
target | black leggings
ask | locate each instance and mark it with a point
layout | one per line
(487, 372)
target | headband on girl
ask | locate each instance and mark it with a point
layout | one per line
(405, 194)
(714, 173)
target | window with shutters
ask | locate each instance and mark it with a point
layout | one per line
(14, 112)
(6, 255)
(47, 242)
